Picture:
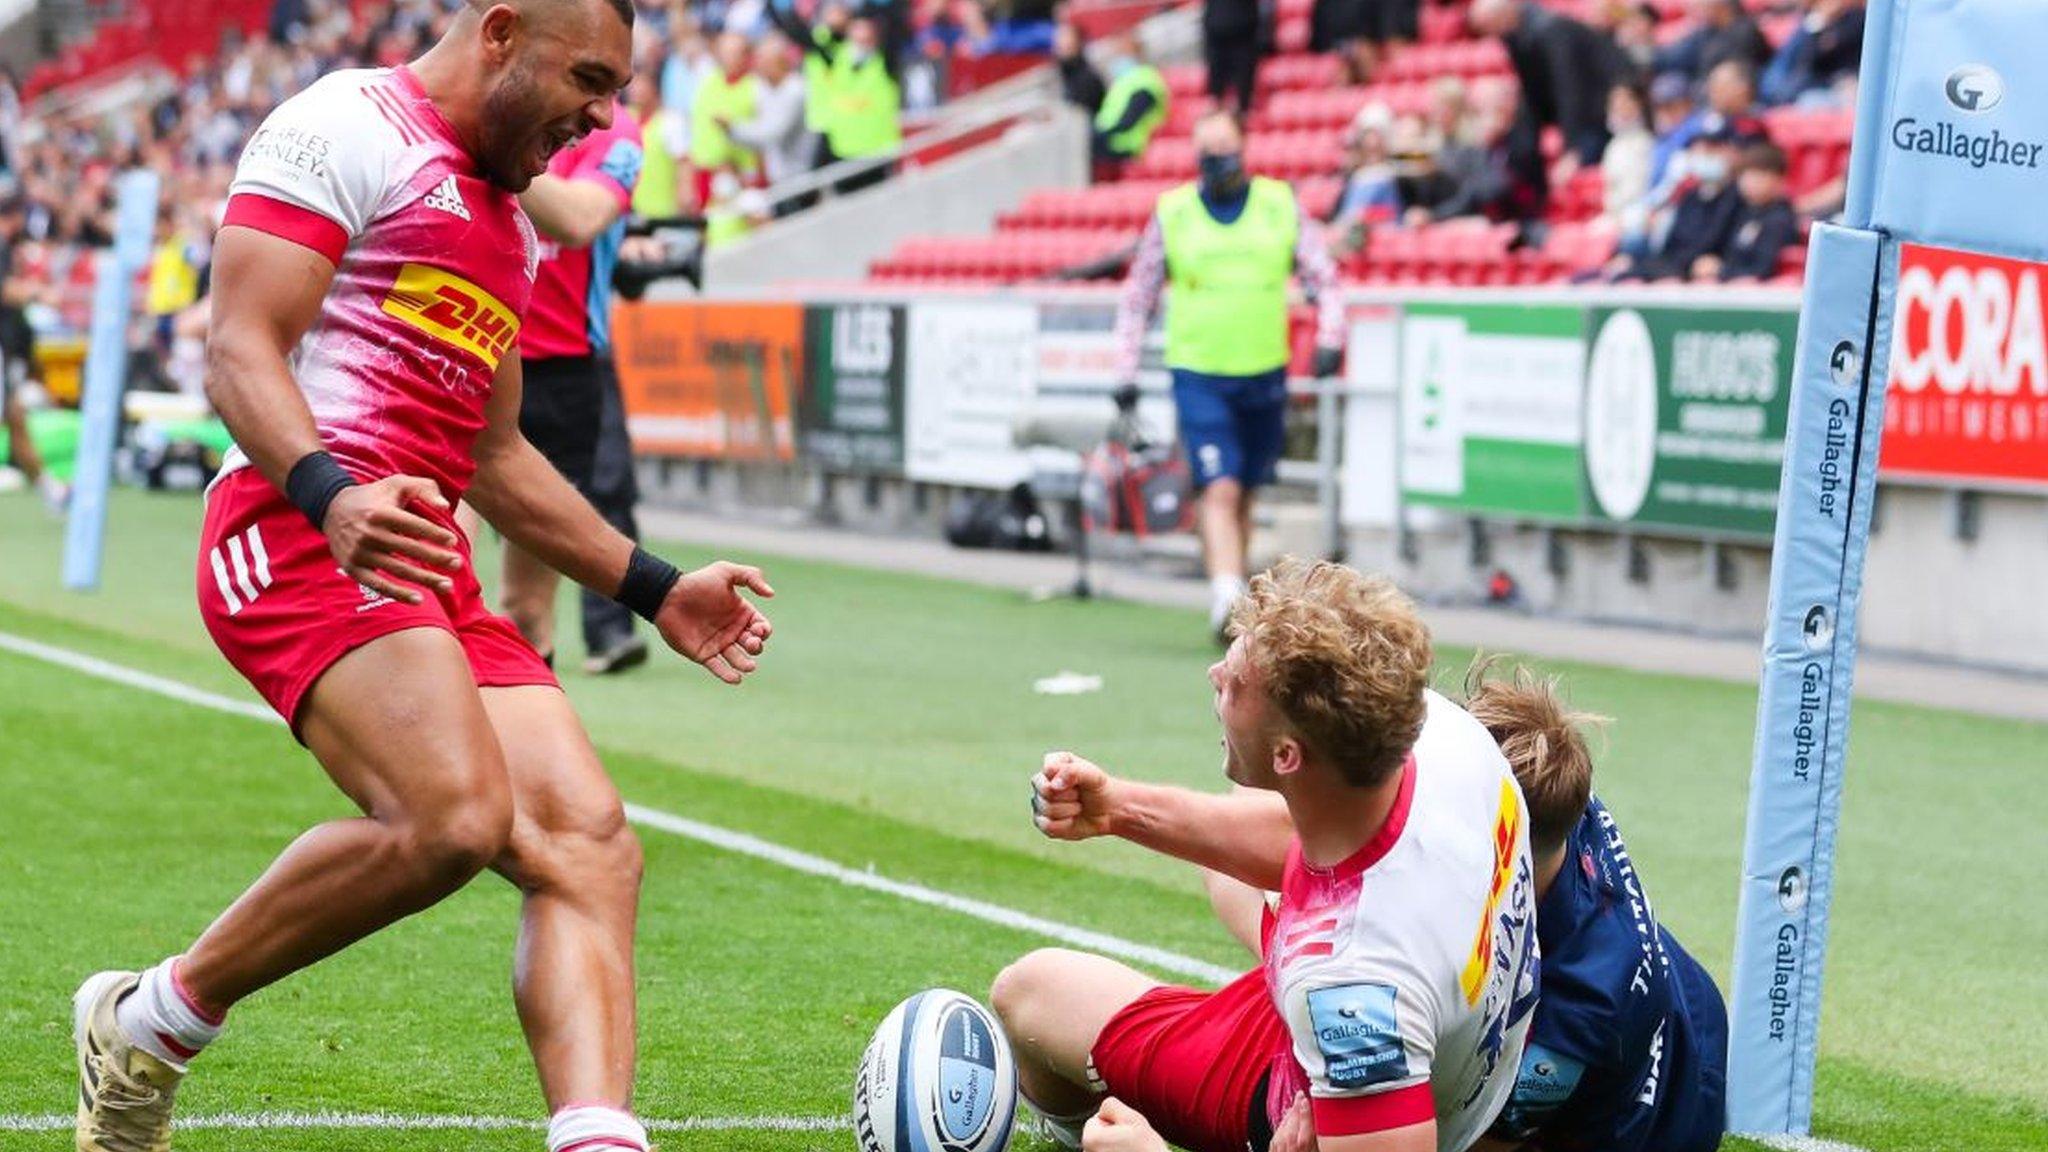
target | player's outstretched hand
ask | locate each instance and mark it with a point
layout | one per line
(706, 619)
(387, 548)
(1071, 799)
(1118, 1127)
(1297, 1130)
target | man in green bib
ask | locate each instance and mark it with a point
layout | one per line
(726, 95)
(1228, 244)
(1133, 107)
(864, 119)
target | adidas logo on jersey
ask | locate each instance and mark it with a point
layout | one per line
(448, 198)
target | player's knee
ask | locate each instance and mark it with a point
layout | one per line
(456, 844)
(1022, 988)
(1224, 493)
(593, 850)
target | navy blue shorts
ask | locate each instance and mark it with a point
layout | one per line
(1232, 427)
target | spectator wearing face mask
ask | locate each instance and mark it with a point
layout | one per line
(1229, 243)
(1701, 224)
(1731, 108)
(1765, 224)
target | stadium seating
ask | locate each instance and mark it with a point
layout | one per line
(171, 33)
(1296, 134)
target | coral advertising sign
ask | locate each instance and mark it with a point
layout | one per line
(1968, 400)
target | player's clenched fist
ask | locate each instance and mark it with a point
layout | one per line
(387, 548)
(1072, 799)
(1117, 1127)
(705, 618)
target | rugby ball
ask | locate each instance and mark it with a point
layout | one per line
(937, 1077)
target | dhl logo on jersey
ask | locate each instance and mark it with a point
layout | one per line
(1506, 828)
(454, 311)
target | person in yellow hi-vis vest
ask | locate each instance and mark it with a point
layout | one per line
(726, 95)
(864, 111)
(1133, 107)
(1228, 244)
(173, 273)
(658, 195)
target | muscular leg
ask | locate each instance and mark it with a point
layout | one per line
(1224, 512)
(529, 597)
(19, 445)
(578, 866)
(1244, 531)
(400, 729)
(1054, 1004)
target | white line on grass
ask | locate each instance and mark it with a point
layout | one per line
(403, 1122)
(1804, 1144)
(691, 829)
(710, 834)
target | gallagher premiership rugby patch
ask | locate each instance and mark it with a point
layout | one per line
(1358, 1035)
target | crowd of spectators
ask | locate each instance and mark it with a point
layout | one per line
(1666, 114)
(733, 95)
(1691, 183)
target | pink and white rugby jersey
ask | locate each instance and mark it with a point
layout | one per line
(434, 266)
(1407, 974)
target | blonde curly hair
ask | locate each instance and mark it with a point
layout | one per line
(1345, 659)
(1544, 740)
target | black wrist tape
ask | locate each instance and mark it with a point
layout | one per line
(648, 579)
(313, 484)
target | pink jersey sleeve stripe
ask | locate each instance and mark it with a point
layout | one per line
(396, 115)
(1379, 1112)
(289, 221)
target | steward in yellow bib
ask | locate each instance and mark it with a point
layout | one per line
(1227, 245)
(1133, 107)
(853, 99)
(725, 96)
(864, 105)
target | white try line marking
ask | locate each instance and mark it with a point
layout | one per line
(1804, 1144)
(402, 1122)
(711, 834)
(695, 830)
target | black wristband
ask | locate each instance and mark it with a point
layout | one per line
(648, 579)
(313, 483)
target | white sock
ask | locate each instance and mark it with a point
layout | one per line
(595, 1128)
(1223, 593)
(161, 1018)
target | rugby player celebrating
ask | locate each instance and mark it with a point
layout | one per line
(1399, 969)
(369, 282)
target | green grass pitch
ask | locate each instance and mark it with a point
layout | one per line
(895, 728)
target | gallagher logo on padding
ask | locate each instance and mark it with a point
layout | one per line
(1974, 88)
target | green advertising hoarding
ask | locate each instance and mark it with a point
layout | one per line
(850, 414)
(1490, 408)
(1685, 417)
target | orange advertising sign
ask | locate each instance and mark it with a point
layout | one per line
(710, 379)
